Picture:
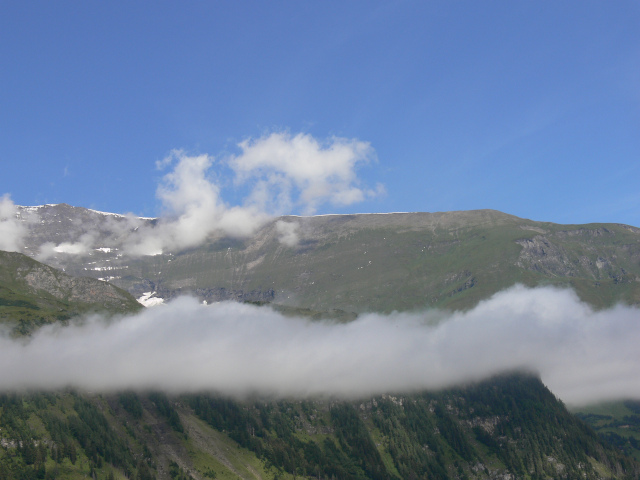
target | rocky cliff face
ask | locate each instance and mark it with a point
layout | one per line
(592, 253)
(32, 293)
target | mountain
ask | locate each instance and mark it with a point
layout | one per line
(356, 263)
(32, 294)
(509, 427)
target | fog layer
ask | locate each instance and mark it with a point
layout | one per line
(582, 355)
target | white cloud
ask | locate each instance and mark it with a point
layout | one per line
(82, 246)
(284, 173)
(582, 355)
(281, 174)
(287, 233)
(301, 172)
(193, 209)
(12, 230)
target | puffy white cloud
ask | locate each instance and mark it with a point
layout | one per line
(283, 173)
(193, 209)
(301, 172)
(582, 355)
(12, 230)
(279, 174)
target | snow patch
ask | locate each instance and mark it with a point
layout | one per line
(343, 214)
(108, 279)
(71, 248)
(104, 269)
(148, 300)
(119, 215)
(37, 207)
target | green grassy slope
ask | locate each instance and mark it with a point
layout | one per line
(32, 294)
(373, 262)
(402, 262)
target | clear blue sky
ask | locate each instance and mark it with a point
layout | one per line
(528, 107)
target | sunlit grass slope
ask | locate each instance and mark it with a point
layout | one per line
(403, 262)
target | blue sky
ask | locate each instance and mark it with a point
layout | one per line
(531, 108)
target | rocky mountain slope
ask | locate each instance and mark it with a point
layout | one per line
(369, 262)
(509, 427)
(32, 294)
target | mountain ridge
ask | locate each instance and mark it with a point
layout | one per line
(357, 262)
(506, 427)
(33, 294)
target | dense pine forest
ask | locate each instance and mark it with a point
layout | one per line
(508, 427)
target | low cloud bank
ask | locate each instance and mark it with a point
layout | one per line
(582, 355)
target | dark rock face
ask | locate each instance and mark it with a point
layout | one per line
(540, 255)
(581, 254)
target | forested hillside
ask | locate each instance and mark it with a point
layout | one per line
(507, 427)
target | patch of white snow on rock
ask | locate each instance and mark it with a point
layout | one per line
(148, 300)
